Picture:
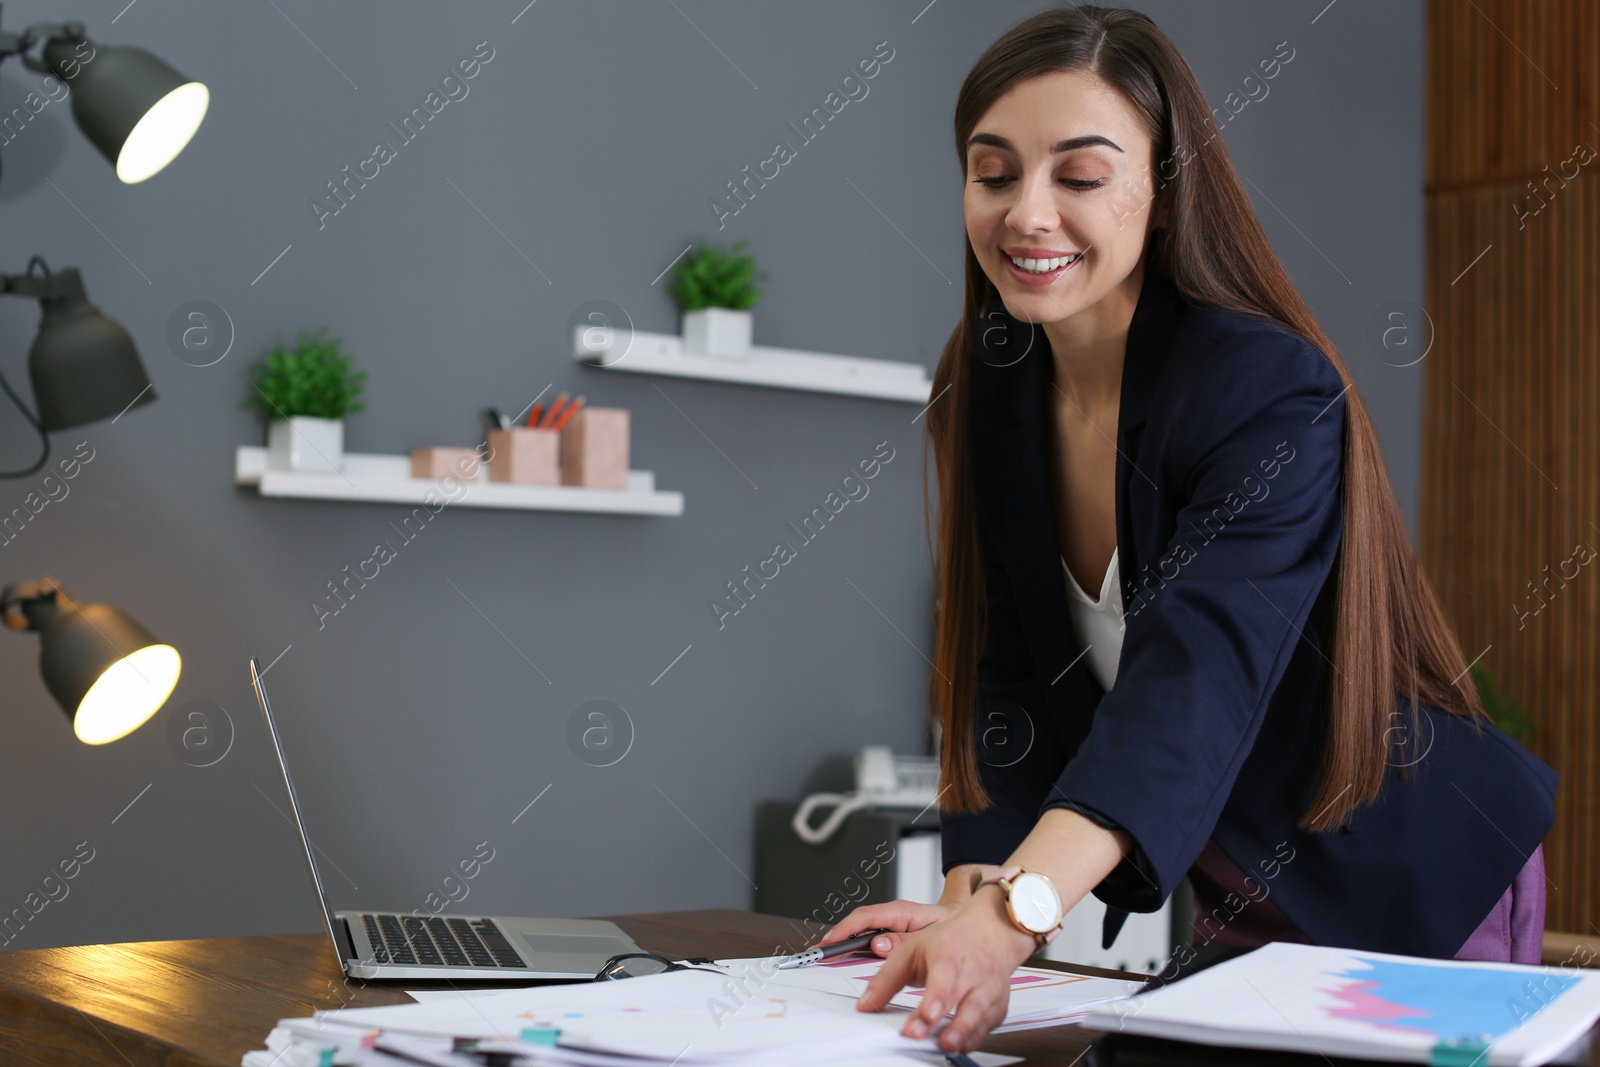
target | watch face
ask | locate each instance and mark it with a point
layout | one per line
(1034, 903)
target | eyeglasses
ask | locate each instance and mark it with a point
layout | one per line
(642, 964)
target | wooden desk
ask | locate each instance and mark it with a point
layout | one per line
(207, 1003)
(193, 1003)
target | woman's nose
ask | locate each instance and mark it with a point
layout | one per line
(1035, 207)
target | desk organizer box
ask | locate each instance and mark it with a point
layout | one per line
(594, 448)
(436, 463)
(525, 456)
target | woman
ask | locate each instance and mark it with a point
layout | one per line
(1259, 691)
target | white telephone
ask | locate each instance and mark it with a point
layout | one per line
(882, 780)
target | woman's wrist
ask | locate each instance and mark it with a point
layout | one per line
(990, 901)
(957, 886)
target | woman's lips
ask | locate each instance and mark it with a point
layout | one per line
(1024, 277)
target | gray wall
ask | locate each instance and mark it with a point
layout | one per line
(426, 715)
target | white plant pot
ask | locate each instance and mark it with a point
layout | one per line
(720, 332)
(303, 443)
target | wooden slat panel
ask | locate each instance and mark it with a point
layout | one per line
(1511, 419)
(1510, 83)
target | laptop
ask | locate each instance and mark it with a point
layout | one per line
(373, 943)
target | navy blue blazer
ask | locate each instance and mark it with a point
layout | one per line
(1228, 511)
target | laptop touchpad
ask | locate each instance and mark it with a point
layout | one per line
(544, 944)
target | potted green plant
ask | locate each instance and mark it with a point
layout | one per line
(305, 392)
(715, 291)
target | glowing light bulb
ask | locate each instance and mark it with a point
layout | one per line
(163, 132)
(127, 694)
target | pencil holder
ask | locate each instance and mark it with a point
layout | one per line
(525, 455)
(436, 463)
(594, 448)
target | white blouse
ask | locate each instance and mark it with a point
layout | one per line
(1099, 623)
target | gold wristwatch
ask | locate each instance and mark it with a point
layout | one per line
(1032, 902)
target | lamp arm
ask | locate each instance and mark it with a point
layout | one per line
(28, 283)
(12, 44)
(33, 420)
(29, 605)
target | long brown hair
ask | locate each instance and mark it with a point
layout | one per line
(1389, 634)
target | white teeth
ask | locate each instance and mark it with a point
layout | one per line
(1045, 266)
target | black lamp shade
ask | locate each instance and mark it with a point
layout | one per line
(135, 108)
(105, 670)
(83, 365)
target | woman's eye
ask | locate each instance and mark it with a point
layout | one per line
(1071, 183)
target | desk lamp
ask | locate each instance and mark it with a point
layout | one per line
(108, 673)
(83, 365)
(131, 105)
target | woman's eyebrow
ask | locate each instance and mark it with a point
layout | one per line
(1085, 141)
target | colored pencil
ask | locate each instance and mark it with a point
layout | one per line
(555, 409)
(572, 409)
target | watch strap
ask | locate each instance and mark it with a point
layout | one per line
(990, 875)
(1002, 876)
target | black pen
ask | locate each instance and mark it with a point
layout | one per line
(826, 952)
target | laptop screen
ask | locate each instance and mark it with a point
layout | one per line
(341, 949)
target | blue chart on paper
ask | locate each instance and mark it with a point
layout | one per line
(1447, 1003)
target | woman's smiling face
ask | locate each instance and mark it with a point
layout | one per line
(1059, 168)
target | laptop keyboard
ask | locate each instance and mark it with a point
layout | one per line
(439, 941)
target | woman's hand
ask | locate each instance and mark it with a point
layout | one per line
(899, 916)
(963, 962)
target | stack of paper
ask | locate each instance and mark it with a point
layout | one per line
(1039, 996)
(1340, 1002)
(315, 1043)
(746, 1012)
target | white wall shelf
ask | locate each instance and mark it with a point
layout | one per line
(380, 479)
(782, 368)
